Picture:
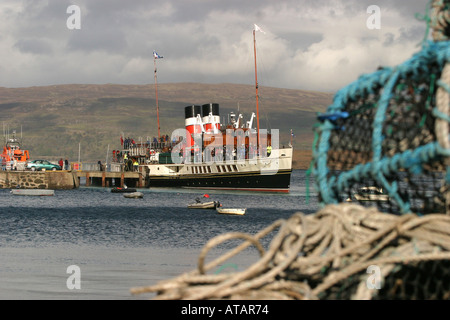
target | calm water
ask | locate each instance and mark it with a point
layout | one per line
(121, 243)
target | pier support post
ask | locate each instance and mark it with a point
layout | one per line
(141, 182)
(88, 182)
(122, 180)
(103, 179)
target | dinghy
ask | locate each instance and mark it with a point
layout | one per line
(234, 211)
(33, 192)
(134, 195)
(204, 205)
(122, 190)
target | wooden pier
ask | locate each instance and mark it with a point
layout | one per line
(106, 179)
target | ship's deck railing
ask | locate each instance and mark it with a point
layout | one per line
(150, 145)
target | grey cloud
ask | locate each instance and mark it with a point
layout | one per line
(412, 33)
(388, 39)
(87, 40)
(302, 39)
(120, 31)
(40, 18)
(34, 46)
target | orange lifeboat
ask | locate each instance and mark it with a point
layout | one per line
(13, 151)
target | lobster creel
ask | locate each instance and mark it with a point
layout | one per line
(390, 130)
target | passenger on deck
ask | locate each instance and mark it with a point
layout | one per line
(129, 165)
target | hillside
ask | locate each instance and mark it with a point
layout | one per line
(55, 120)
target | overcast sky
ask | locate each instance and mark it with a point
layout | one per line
(308, 44)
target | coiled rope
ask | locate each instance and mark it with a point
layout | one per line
(440, 20)
(313, 256)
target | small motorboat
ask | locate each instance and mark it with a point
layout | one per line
(33, 192)
(122, 190)
(134, 195)
(235, 211)
(204, 205)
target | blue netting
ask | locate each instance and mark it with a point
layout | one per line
(377, 144)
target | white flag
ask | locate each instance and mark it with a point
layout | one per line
(156, 55)
(259, 29)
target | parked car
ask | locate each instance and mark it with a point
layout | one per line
(37, 165)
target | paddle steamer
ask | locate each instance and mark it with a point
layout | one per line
(208, 154)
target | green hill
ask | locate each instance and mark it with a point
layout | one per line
(55, 120)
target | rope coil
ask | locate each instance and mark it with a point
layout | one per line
(314, 256)
(440, 20)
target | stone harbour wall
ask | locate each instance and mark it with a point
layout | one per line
(39, 180)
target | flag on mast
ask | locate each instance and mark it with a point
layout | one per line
(156, 55)
(259, 29)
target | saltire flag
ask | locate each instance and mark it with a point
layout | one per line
(292, 133)
(121, 140)
(259, 29)
(156, 55)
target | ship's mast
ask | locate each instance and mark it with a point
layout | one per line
(155, 57)
(256, 87)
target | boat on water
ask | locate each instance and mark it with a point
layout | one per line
(215, 163)
(33, 192)
(212, 154)
(204, 205)
(232, 211)
(134, 195)
(123, 190)
(370, 194)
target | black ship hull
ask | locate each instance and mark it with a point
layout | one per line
(249, 181)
